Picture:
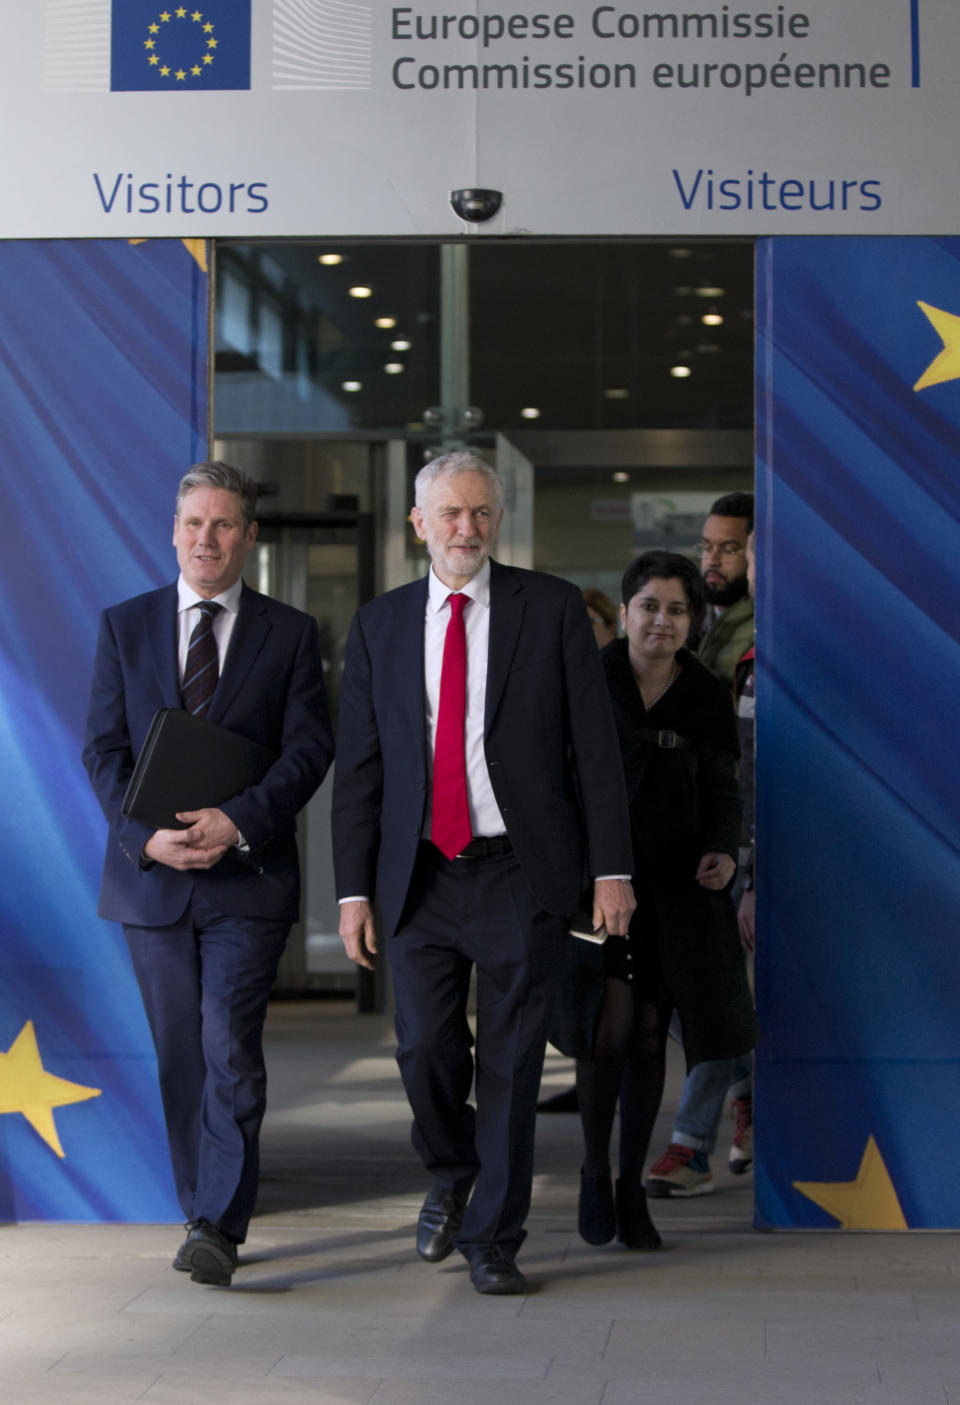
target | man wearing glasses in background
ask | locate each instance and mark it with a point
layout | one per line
(723, 562)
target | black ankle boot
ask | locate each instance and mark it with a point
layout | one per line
(597, 1220)
(635, 1229)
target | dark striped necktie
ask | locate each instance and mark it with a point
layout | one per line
(202, 672)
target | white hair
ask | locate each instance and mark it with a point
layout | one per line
(458, 461)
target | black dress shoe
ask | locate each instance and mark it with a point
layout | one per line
(494, 1271)
(441, 1216)
(597, 1218)
(181, 1260)
(208, 1255)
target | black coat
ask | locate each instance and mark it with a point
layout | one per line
(684, 802)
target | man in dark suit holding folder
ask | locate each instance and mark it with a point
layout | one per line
(207, 909)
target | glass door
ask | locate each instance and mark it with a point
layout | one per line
(323, 565)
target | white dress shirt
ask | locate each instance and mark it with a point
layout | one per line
(188, 616)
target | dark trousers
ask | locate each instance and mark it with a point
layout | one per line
(463, 913)
(205, 981)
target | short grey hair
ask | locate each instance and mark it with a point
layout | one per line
(458, 461)
(218, 474)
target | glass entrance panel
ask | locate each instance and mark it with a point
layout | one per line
(561, 335)
(322, 569)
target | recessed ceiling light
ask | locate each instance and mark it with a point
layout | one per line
(400, 345)
(681, 253)
(712, 318)
(385, 322)
(707, 290)
(621, 477)
(681, 372)
(359, 291)
(331, 260)
(616, 392)
(394, 368)
(530, 412)
(351, 386)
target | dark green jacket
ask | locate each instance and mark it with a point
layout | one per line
(727, 640)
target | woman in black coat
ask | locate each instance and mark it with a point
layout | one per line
(678, 740)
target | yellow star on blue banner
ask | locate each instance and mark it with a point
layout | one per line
(26, 1087)
(946, 366)
(868, 1202)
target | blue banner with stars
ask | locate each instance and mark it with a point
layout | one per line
(178, 47)
(858, 774)
(103, 357)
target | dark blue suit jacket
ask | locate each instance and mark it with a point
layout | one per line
(550, 744)
(271, 690)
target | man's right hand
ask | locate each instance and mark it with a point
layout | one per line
(173, 848)
(358, 932)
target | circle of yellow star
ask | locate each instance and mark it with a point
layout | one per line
(202, 60)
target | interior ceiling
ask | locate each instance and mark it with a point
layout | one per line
(584, 332)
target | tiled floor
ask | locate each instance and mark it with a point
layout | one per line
(331, 1305)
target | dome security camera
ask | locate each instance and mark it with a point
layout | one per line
(476, 206)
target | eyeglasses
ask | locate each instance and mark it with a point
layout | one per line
(705, 548)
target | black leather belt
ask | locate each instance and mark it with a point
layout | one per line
(670, 741)
(487, 846)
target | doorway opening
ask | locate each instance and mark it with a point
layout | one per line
(611, 381)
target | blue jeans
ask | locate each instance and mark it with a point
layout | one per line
(700, 1108)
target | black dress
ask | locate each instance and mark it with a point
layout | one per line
(679, 760)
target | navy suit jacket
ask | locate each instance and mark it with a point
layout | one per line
(271, 690)
(550, 744)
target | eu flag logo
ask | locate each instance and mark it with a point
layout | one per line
(153, 48)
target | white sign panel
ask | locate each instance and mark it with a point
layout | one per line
(328, 117)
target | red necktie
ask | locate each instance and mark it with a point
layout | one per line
(451, 830)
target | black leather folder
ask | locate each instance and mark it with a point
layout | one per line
(187, 763)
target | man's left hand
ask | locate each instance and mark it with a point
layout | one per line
(715, 871)
(613, 905)
(209, 829)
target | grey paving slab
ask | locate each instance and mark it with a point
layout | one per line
(695, 1337)
(940, 1306)
(154, 1362)
(457, 1338)
(177, 1390)
(767, 1387)
(398, 1367)
(422, 1391)
(894, 1343)
(84, 1329)
(45, 1389)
